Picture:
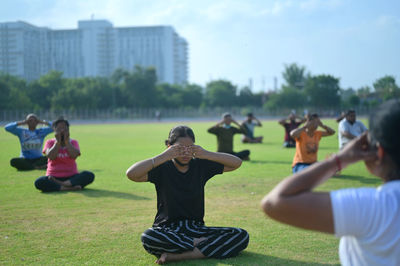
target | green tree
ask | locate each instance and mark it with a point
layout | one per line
(289, 98)
(192, 95)
(387, 88)
(220, 93)
(41, 91)
(139, 88)
(323, 91)
(295, 76)
(14, 93)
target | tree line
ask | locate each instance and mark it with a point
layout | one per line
(139, 89)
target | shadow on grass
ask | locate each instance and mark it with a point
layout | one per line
(101, 193)
(269, 162)
(361, 179)
(251, 258)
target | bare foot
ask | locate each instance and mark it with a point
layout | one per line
(162, 259)
(51, 178)
(68, 188)
(197, 241)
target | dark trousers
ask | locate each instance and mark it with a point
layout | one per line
(221, 243)
(242, 154)
(29, 164)
(82, 179)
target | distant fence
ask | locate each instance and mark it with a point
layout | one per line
(140, 114)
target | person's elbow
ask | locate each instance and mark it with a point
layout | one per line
(237, 163)
(270, 205)
(133, 176)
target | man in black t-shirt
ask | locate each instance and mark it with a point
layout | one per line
(179, 175)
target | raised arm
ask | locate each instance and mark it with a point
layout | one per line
(282, 122)
(214, 129)
(139, 170)
(229, 161)
(258, 121)
(328, 131)
(293, 202)
(52, 152)
(73, 152)
(13, 126)
(295, 133)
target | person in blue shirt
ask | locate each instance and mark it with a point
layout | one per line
(31, 140)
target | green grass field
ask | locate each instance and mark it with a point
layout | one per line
(103, 223)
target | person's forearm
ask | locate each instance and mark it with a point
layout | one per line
(139, 169)
(307, 179)
(72, 151)
(228, 160)
(20, 123)
(295, 133)
(328, 130)
(348, 135)
(52, 152)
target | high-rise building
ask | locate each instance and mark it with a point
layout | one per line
(96, 48)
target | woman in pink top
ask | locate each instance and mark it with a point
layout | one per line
(62, 172)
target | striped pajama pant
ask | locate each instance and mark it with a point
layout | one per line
(221, 242)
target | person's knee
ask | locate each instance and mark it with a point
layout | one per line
(89, 176)
(40, 183)
(244, 237)
(146, 236)
(13, 162)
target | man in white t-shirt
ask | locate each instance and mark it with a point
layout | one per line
(367, 220)
(350, 128)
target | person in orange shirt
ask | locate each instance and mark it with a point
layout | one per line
(307, 141)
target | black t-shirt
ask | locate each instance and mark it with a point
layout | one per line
(181, 195)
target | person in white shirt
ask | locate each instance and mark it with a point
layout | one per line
(350, 128)
(367, 220)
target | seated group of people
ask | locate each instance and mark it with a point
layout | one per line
(366, 219)
(61, 153)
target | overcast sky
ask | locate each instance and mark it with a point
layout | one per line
(357, 41)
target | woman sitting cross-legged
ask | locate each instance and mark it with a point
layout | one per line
(62, 172)
(179, 175)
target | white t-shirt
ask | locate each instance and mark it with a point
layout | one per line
(367, 220)
(356, 130)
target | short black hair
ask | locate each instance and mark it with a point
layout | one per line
(60, 120)
(350, 111)
(384, 126)
(250, 114)
(179, 132)
(312, 116)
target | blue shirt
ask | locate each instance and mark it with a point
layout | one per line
(31, 141)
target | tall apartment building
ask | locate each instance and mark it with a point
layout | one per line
(96, 48)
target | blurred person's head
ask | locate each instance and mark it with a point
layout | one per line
(384, 127)
(312, 122)
(32, 121)
(61, 125)
(227, 118)
(351, 116)
(292, 117)
(250, 117)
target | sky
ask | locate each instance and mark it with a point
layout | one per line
(357, 41)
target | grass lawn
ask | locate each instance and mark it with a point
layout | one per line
(103, 223)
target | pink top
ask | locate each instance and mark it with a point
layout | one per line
(63, 165)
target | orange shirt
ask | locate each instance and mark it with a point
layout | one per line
(307, 148)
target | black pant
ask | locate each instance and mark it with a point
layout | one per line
(82, 179)
(220, 243)
(242, 154)
(29, 164)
